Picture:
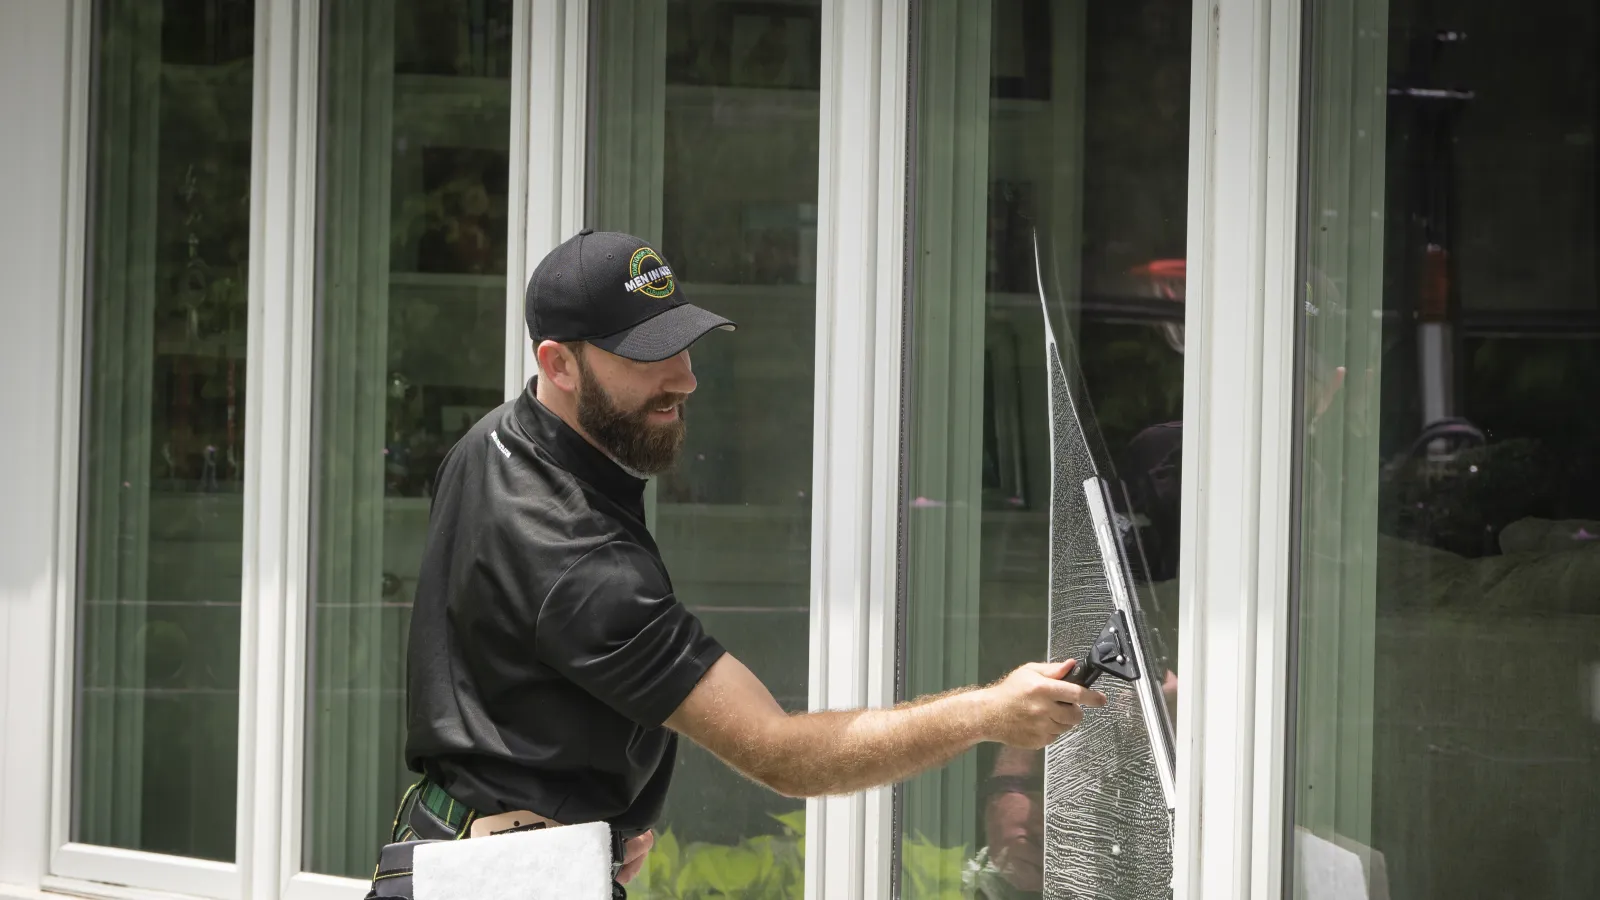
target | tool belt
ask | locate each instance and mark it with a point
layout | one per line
(429, 815)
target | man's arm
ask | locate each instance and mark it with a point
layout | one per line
(732, 714)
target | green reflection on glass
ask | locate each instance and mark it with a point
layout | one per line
(1449, 628)
(704, 141)
(155, 744)
(411, 353)
(1069, 118)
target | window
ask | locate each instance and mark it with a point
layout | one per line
(1069, 121)
(416, 125)
(155, 736)
(703, 139)
(1449, 643)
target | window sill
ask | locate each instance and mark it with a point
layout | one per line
(55, 888)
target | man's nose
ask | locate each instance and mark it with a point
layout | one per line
(679, 376)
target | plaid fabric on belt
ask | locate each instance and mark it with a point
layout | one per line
(428, 813)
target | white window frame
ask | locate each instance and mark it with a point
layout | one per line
(1239, 436)
(550, 127)
(1233, 730)
(856, 432)
(855, 442)
(283, 160)
(48, 45)
(548, 51)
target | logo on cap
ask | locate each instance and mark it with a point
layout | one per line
(650, 276)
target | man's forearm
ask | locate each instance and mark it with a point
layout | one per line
(732, 714)
(852, 750)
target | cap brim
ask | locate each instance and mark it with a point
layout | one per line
(663, 336)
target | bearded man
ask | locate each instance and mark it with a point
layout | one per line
(552, 668)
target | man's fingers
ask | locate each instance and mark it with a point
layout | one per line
(1055, 670)
(629, 871)
(637, 847)
(1067, 716)
(1064, 692)
(633, 854)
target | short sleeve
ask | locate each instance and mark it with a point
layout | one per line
(613, 626)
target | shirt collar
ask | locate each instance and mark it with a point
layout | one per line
(573, 452)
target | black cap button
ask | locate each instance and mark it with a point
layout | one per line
(586, 231)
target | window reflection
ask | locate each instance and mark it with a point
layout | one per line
(410, 346)
(703, 140)
(1069, 119)
(157, 690)
(1447, 741)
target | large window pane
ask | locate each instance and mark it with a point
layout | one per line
(1449, 578)
(410, 348)
(1069, 119)
(703, 140)
(161, 520)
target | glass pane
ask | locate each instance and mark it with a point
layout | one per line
(1449, 660)
(162, 509)
(1109, 785)
(1068, 120)
(703, 141)
(411, 353)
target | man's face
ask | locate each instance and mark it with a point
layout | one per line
(634, 411)
(1015, 826)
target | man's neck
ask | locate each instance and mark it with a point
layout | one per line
(565, 406)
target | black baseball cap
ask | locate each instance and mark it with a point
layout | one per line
(616, 292)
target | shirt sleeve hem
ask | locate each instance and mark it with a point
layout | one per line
(677, 684)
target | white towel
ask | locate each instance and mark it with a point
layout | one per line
(572, 862)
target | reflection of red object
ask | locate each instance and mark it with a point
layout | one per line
(1435, 299)
(1166, 277)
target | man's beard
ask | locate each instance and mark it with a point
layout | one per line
(629, 437)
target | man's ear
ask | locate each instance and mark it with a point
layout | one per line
(558, 364)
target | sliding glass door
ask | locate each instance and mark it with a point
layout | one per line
(416, 123)
(1448, 738)
(161, 518)
(1061, 125)
(704, 119)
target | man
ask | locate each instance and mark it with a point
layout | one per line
(1010, 865)
(552, 668)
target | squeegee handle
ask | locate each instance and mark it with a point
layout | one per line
(1083, 673)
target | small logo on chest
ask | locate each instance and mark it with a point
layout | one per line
(495, 436)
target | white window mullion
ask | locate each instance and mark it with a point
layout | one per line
(278, 445)
(107, 871)
(550, 125)
(545, 194)
(856, 450)
(518, 182)
(1238, 442)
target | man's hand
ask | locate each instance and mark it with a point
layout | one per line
(1033, 706)
(633, 855)
(732, 714)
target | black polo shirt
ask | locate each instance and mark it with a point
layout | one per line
(546, 646)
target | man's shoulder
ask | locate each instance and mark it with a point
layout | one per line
(501, 471)
(484, 435)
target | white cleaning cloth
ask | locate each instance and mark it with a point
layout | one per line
(572, 862)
